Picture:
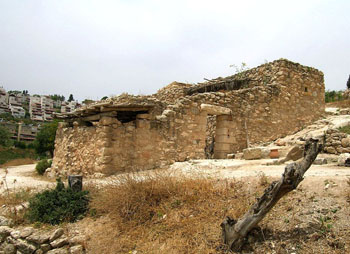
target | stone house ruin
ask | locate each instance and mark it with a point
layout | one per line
(181, 121)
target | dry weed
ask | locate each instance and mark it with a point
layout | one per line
(164, 214)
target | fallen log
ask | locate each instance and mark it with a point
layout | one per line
(235, 231)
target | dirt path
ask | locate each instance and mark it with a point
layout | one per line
(23, 176)
(26, 177)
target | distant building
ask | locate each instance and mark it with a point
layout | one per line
(4, 107)
(35, 108)
(67, 107)
(17, 111)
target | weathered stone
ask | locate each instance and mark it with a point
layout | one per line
(215, 110)
(78, 249)
(56, 234)
(252, 153)
(342, 158)
(15, 234)
(5, 221)
(58, 251)
(60, 242)
(45, 247)
(320, 161)
(24, 247)
(345, 142)
(295, 153)
(38, 237)
(8, 248)
(331, 150)
(26, 232)
(39, 251)
(5, 231)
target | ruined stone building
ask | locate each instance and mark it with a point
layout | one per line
(181, 121)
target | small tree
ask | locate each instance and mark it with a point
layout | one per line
(70, 98)
(348, 83)
(45, 139)
(5, 136)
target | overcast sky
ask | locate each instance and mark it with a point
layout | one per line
(97, 48)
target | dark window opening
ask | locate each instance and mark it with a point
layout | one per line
(128, 116)
(305, 89)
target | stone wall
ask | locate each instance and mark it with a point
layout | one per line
(337, 142)
(31, 240)
(281, 98)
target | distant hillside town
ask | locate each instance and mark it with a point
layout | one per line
(36, 107)
(22, 114)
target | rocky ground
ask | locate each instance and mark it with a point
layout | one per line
(322, 195)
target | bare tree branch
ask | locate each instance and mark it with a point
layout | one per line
(234, 232)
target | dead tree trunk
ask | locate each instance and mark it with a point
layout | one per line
(234, 232)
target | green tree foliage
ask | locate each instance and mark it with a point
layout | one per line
(87, 101)
(331, 96)
(104, 98)
(45, 139)
(70, 98)
(5, 137)
(58, 205)
(7, 117)
(57, 97)
(348, 83)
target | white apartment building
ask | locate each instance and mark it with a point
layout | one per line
(17, 111)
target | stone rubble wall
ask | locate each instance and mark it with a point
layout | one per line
(337, 142)
(285, 97)
(29, 240)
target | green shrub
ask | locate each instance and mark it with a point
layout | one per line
(42, 166)
(345, 129)
(20, 144)
(58, 205)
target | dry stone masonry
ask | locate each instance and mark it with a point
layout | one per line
(182, 121)
(29, 240)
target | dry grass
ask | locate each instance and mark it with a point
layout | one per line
(18, 162)
(164, 214)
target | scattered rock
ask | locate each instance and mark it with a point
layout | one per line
(38, 238)
(342, 158)
(58, 251)
(56, 234)
(78, 249)
(59, 242)
(26, 232)
(8, 248)
(5, 221)
(252, 153)
(320, 161)
(25, 247)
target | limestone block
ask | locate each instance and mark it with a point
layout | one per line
(5, 221)
(342, 158)
(8, 248)
(25, 247)
(58, 251)
(143, 116)
(107, 120)
(78, 249)
(60, 242)
(26, 232)
(215, 110)
(252, 153)
(56, 234)
(320, 161)
(345, 142)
